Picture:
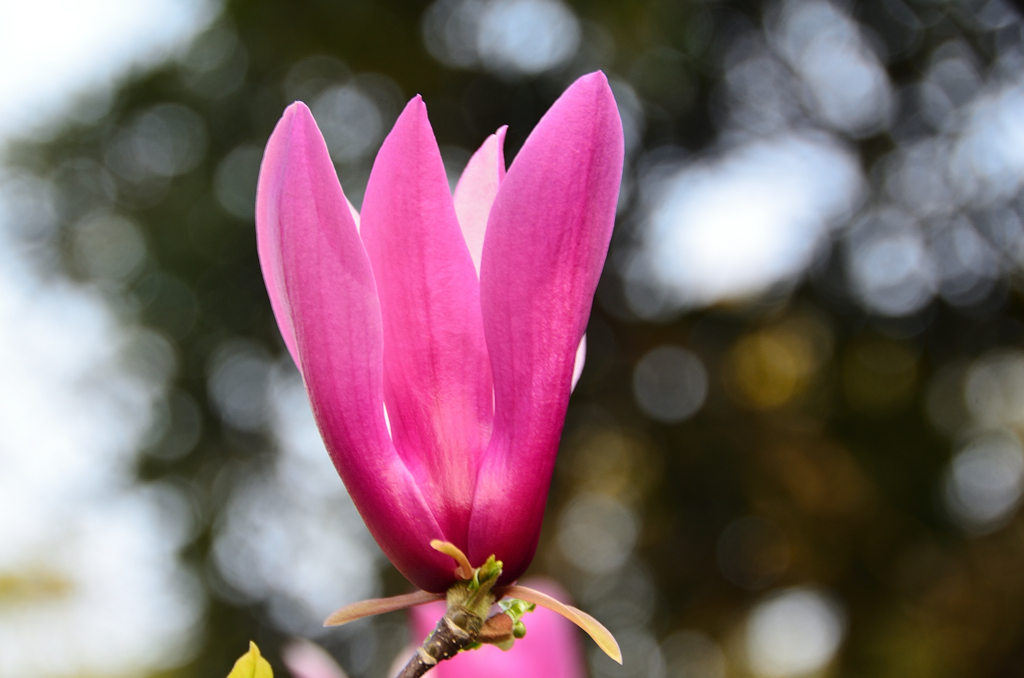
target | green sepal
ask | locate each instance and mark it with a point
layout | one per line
(469, 600)
(487, 573)
(516, 608)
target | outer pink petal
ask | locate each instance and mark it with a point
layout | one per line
(325, 300)
(475, 192)
(437, 382)
(551, 648)
(546, 242)
(579, 362)
(268, 223)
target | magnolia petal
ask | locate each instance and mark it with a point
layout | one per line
(268, 223)
(476, 189)
(375, 606)
(437, 382)
(463, 569)
(581, 359)
(545, 246)
(325, 300)
(602, 636)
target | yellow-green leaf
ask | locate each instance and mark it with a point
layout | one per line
(251, 665)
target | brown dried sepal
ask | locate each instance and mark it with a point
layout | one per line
(497, 629)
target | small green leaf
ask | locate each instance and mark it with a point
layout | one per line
(251, 665)
(490, 569)
(516, 608)
(486, 574)
(506, 645)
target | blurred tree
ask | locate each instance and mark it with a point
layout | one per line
(812, 442)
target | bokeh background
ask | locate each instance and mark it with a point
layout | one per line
(795, 449)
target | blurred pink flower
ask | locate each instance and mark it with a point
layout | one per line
(551, 648)
(440, 392)
(308, 660)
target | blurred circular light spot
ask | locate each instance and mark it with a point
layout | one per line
(108, 247)
(730, 228)
(987, 163)
(238, 383)
(793, 633)
(509, 37)
(28, 206)
(890, 267)
(915, 176)
(764, 98)
(690, 654)
(1003, 229)
(753, 553)
(150, 355)
(527, 36)
(627, 595)
(994, 389)
(641, 657)
(597, 534)
(846, 85)
(996, 14)
(955, 75)
(769, 368)
(82, 186)
(165, 141)
(350, 121)
(235, 181)
(216, 64)
(985, 481)
(967, 264)
(670, 384)
(449, 31)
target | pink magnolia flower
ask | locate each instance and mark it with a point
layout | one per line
(436, 335)
(551, 648)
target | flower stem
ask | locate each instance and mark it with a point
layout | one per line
(465, 622)
(457, 630)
